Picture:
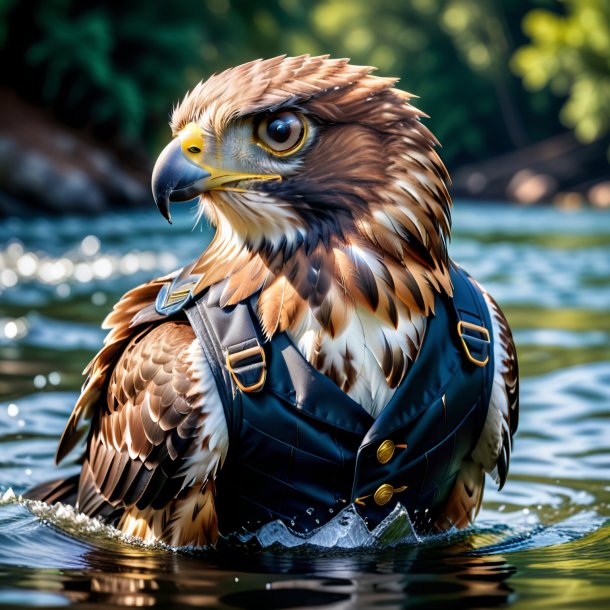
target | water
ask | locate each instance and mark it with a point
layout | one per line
(543, 542)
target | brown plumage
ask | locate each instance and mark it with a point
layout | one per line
(343, 237)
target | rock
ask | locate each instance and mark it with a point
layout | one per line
(44, 165)
(528, 187)
(599, 195)
(570, 200)
(551, 170)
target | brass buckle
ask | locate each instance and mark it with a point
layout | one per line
(233, 359)
(480, 329)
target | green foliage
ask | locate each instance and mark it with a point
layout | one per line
(406, 41)
(452, 53)
(5, 7)
(117, 68)
(570, 55)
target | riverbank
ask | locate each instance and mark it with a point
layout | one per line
(59, 170)
(559, 170)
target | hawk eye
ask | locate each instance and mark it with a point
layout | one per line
(282, 133)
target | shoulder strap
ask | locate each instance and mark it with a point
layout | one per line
(473, 322)
(231, 343)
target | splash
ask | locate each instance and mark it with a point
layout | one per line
(67, 519)
(347, 530)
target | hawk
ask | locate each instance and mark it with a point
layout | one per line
(359, 377)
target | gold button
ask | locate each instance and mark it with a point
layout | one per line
(385, 451)
(383, 494)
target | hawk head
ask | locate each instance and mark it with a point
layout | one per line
(316, 156)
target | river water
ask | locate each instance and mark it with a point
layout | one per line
(543, 542)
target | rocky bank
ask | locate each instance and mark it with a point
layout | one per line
(46, 166)
(49, 167)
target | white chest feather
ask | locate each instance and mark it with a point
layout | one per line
(363, 358)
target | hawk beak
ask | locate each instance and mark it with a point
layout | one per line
(175, 178)
(182, 176)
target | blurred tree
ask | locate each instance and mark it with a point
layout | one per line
(480, 32)
(454, 54)
(107, 66)
(569, 54)
(116, 68)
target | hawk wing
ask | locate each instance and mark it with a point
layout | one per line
(157, 432)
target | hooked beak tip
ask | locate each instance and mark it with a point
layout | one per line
(162, 202)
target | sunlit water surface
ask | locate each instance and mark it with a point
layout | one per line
(544, 541)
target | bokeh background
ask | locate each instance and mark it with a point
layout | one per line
(518, 91)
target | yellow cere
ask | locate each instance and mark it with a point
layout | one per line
(191, 140)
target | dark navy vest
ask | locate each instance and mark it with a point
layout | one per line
(300, 449)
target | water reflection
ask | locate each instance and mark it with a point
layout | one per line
(116, 576)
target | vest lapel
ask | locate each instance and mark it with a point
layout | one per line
(315, 394)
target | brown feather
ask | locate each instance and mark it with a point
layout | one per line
(133, 460)
(464, 502)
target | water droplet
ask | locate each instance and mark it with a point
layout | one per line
(15, 249)
(15, 329)
(8, 278)
(148, 261)
(268, 586)
(317, 521)
(331, 510)
(21, 423)
(40, 381)
(12, 410)
(236, 579)
(99, 298)
(27, 264)
(129, 264)
(54, 378)
(501, 508)
(526, 511)
(63, 291)
(90, 245)
(83, 273)
(102, 268)
(310, 511)
(10, 330)
(28, 472)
